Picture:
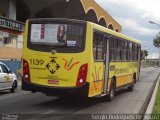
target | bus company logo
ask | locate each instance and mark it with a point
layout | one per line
(112, 68)
(52, 66)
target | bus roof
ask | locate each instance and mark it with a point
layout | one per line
(112, 32)
(96, 26)
(57, 19)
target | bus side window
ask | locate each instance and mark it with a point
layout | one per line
(124, 48)
(130, 51)
(111, 53)
(118, 49)
(94, 45)
(133, 51)
(136, 51)
(97, 46)
(115, 49)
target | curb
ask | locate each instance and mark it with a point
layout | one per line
(153, 97)
(144, 107)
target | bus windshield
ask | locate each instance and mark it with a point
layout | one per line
(57, 36)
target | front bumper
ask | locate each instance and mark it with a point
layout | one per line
(56, 91)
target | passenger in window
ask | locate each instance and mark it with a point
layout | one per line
(61, 35)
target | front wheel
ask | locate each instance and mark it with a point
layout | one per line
(14, 87)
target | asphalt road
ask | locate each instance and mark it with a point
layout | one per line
(26, 105)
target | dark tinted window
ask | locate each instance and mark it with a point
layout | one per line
(122, 50)
(4, 69)
(62, 36)
(97, 46)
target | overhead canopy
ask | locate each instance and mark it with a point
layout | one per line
(10, 53)
(77, 9)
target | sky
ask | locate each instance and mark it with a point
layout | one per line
(134, 17)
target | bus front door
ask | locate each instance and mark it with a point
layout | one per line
(106, 64)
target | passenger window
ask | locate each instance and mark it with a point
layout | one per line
(135, 52)
(130, 51)
(4, 69)
(111, 53)
(98, 46)
(117, 49)
(124, 50)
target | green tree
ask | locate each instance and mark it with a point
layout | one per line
(145, 53)
(156, 41)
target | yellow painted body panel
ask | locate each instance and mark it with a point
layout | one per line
(69, 65)
(96, 78)
(66, 74)
(123, 71)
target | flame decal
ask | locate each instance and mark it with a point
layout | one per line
(69, 66)
(96, 78)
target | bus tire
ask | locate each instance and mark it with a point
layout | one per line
(135, 78)
(14, 87)
(112, 90)
(131, 87)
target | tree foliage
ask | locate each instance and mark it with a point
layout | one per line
(156, 41)
(145, 53)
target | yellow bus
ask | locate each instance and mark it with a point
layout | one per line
(74, 57)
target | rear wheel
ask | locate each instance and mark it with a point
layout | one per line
(112, 91)
(131, 88)
(135, 78)
(14, 86)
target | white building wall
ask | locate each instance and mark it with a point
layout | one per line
(20, 41)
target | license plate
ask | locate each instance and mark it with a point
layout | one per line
(55, 82)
